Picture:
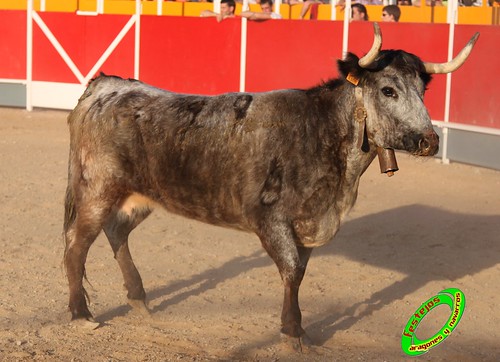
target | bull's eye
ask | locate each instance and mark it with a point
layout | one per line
(389, 92)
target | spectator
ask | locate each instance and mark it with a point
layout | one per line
(470, 2)
(404, 2)
(391, 13)
(267, 12)
(428, 2)
(370, 2)
(359, 12)
(226, 11)
(313, 5)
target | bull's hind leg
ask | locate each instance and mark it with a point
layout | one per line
(117, 228)
(291, 260)
(82, 225)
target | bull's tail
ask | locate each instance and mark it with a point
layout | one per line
(69, 212)
(69, 216)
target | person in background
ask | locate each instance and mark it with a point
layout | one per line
(391, 13)
(359, 12)
(404, 2)
(226, 11)
(370, 2)
(313, 5)
(239, 1)
(267, 12)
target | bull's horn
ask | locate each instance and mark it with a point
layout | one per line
(373, 53)
(454, 64)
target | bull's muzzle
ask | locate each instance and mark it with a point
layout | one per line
(428, 145)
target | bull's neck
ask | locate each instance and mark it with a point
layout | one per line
(359, 156)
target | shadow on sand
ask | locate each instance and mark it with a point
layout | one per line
(409, 240)
(413, 240)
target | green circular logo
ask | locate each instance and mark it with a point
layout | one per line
(452, 297)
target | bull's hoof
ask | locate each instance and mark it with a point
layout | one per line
(302, 344)
(140, 307)
(85, 323)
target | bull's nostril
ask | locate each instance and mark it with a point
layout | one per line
(424, 144)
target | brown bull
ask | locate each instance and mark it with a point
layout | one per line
(284, 164)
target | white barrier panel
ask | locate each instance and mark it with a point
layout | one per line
(56, 95)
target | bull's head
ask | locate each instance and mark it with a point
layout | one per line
(391, 85)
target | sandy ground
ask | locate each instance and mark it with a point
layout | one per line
(214, 293)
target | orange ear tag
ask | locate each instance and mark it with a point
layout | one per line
(352, 79)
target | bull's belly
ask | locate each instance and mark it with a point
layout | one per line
(311, 231)
(137, 201)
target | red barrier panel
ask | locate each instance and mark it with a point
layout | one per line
(13, 44)
(84, 38)
(297, 54)
(191, 55)
(476, 86)
(291, 54)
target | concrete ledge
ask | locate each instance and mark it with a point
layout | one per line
(12, 95)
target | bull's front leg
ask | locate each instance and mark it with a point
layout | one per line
(291, 260)
(291, 316)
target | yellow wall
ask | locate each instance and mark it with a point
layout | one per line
(475, 15)
(423, 14)
(295, 12)
(325, 12)
(87, 5)
(119, 7)
(195, 9)
(50, 5)
(60, 5)
(285, 11)
(13, 4)
(168, 8)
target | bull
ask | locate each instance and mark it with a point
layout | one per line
(284, 164)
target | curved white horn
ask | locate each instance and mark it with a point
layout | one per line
(455, 63)
(373, 53)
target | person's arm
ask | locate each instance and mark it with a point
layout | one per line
(252, 15)
(210, 13)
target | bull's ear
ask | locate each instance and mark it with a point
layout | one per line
(350, 66)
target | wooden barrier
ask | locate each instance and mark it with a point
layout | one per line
(189, 54)
(483, 15)
(194, 55)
